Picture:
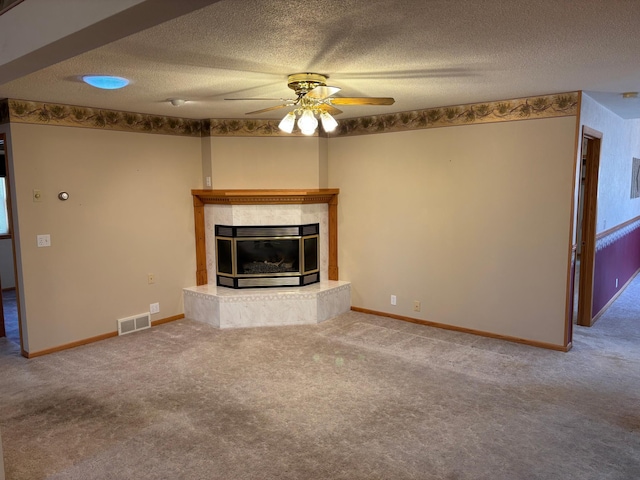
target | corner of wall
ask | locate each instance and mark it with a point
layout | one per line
(207, 162)
(323, 163)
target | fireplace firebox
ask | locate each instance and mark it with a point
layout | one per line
(267, 256)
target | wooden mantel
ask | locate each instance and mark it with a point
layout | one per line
(263, 197)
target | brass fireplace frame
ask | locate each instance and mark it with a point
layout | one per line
(263, 197)
(231, 236)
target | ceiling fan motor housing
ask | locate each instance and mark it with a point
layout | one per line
(302, 83)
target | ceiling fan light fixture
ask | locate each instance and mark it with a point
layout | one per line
(328, 122)
(314, 101)
(307, 123)
(308, 132)
(287, 123)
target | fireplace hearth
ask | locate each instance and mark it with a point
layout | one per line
(267, 256)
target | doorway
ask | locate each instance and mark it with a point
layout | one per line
(583, 253)
(10, 324)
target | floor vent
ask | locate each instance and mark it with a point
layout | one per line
(133, 324)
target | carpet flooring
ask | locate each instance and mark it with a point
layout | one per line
(357, 397)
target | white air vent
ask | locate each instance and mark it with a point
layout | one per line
(133, 324)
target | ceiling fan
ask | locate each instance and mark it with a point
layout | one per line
(314, 97)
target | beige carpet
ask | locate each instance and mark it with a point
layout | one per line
(358, 397)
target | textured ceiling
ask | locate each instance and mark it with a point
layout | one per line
(425, 54)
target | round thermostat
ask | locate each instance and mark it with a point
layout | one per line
(63, 196)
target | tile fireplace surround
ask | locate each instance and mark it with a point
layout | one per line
(227, 307)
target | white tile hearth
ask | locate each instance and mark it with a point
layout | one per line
(260, 307)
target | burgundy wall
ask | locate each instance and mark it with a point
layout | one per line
(572, 285)
(617, 256)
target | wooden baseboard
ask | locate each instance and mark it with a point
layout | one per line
(613, 299)
(97, 338)
(533, 343)
(167, 320)
(67, 346)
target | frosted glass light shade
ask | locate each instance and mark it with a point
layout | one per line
(287, 123)
(307, 123)
(328, 122)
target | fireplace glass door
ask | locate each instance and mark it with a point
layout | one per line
(265, 256)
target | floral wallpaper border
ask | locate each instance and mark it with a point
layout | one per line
(249, 128)
(22, 111)
(616, 235)
(547, 106)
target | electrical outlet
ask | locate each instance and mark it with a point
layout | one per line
(44, 240)
(208, 181)
(393, 300)
(151, 278)
(154, 308)
(416, 306)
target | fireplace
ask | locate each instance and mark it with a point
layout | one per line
(212, 303)
(267, 256)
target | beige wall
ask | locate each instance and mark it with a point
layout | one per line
(273, 162)
(471, 221)
(129, 214)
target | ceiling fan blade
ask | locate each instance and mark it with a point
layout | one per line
(321, 92)
(362, 101)
(263, 98)
(268, 109)
(330, 109)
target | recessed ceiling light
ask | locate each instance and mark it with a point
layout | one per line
(177, 102)
(106, 82)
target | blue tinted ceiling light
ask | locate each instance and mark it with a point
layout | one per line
(106, 82)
